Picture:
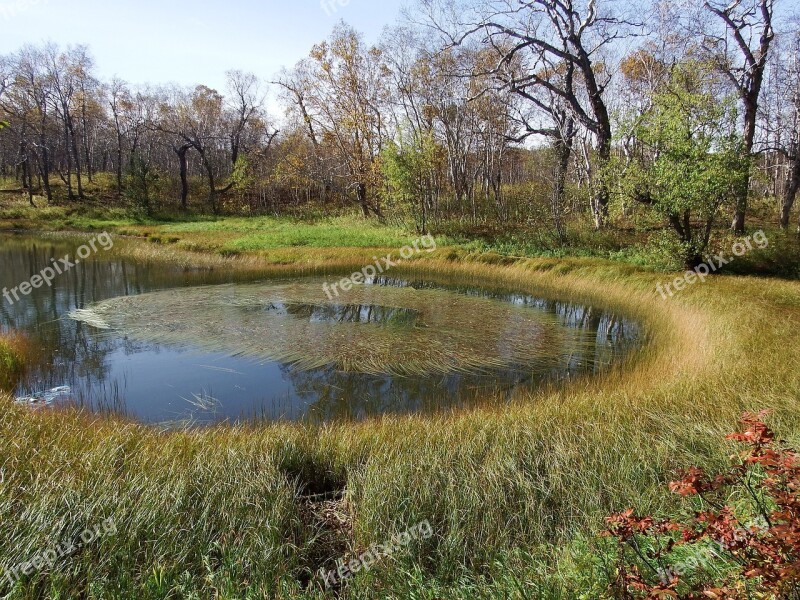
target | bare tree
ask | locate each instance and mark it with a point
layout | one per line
(341, 91)
(119, 99)
(544, 113)
(244, 104)
(195, 121)
(539, 34)
(66, 70)
(30, 99)
(741, 52)
(783, 120)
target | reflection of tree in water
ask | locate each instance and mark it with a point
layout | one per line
(606, 335)
(602, 336)
(68, 353)
(345, 313)
(332, 394)
(79, 356)
(71, 353)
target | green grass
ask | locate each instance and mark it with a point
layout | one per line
(223, 235)
(276, 238)
(65, 218)
(515, 493)
(266, 233)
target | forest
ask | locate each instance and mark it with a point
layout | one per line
(557, 117)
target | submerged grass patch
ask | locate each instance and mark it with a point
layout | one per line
(514, 491)
(294, 323)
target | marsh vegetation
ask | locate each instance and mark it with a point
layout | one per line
(541, 469)
(150, 340)
(512, 386)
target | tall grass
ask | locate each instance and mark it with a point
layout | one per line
(15, 350)
(514, 491)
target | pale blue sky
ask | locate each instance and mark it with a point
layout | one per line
(188, 42)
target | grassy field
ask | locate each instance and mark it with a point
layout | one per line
(515, 494)
(281, 240)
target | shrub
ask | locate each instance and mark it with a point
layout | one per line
(742, 539)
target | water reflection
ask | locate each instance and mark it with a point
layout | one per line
(342, 313)
(172, 383)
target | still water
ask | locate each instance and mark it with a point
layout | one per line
(188, 346)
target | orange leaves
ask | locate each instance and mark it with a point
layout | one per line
(625, 524)
(756, 560)
(756, 432)
(692, 482)
(695, 482)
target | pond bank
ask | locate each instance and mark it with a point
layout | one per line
(156, 342)
(512, 492)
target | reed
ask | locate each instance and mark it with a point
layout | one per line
(15, 353)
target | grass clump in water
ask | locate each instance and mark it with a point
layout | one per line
(15, 352)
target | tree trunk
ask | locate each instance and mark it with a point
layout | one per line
(44, 163)
(602, 195)
(424, 208)
(790, 193)
(750, 117)
(27, 178)
(564, 153)
(362, 199)
(67, 148)
(119, 165)
(682, 225)
(212, 185)
(85, 137)
(234, 149)
(184, 169)
(77, 154)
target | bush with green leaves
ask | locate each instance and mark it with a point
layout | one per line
(408, 168)
(141, 183)
(689, 160)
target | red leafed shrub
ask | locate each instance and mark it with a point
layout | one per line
(742, 539)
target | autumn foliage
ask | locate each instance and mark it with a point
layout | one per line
(741, 540)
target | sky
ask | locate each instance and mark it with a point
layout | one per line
(191, 41)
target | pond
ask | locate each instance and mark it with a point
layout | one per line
(165, 344)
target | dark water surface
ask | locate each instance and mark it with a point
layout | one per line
(182, 383)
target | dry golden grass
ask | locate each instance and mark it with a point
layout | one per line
(15, 351)
(423, 332)
(537, 474)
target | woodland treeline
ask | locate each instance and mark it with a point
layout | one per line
(538, 111)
